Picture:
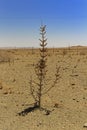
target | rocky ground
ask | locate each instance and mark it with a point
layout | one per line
(66, 102)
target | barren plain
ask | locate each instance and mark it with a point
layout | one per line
(67, 101)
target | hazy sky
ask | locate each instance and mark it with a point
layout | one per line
(20, 20)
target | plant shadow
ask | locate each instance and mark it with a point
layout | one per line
(28, 110)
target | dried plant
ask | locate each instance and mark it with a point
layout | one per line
(37, 88)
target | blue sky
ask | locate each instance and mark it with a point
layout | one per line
(20, 20)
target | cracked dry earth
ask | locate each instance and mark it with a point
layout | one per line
(67, 101)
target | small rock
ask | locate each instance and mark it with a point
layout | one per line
(5, 92)
(85, 125)
(40, 123)
(10, 92)
(72, 84)
(74, 99)
(47, 112)
(56, 105)
(14, 80)
(83, 97)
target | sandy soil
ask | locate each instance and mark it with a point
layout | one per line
(67, 101)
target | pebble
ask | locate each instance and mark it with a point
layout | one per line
(85, 125)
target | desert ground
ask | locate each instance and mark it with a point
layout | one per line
(67, 101)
